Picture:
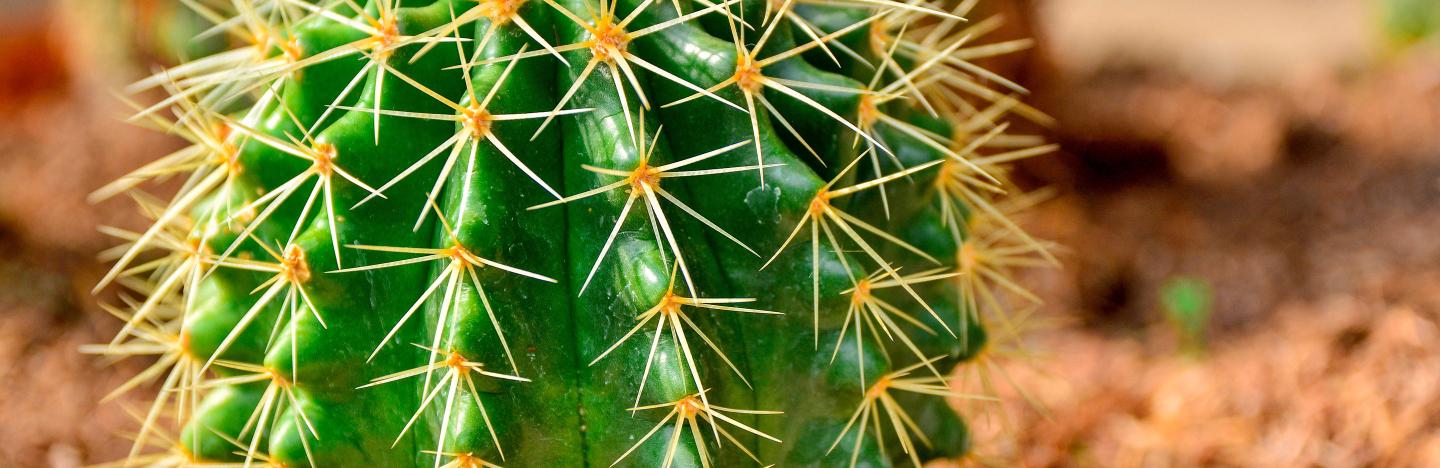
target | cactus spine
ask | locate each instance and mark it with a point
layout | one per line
(573, 233)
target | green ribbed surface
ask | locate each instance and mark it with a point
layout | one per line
(413, 293)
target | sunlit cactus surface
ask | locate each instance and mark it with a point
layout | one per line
(575, 233)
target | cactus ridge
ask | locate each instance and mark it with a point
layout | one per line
(788, 229)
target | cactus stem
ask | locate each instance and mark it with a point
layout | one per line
(463, 264)
(868, 414)
(462, 460)
(750, 81)
(475, 124)
(166, 344)
(182, 379)
(279, 392)
(989, 245)
(329, 63)
(868, 309)
(208, 136)
(643, 182)
(383, 40)
(290, 273)
(174, 454)
(669, 310)
(183, 266)
(212, 74)
(458, 369)
(176, 210)
(822, 214)
(607, 44)
(870, 111)
(685, 412)
(958, 188)
(323, 168)
(499, 13)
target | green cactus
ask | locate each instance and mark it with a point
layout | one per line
(569, 233)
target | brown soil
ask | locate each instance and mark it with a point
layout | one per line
(1310, 204)
(61, 136)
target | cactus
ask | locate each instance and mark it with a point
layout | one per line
(573, 233)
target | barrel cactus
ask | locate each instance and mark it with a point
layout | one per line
(573, 233)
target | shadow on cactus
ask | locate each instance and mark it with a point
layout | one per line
(569, 233)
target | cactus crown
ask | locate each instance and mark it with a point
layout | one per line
(787, 220)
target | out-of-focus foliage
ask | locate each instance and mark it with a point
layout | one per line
(1408, 22)
(1186, 303)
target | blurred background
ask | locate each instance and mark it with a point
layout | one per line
(1248, 192)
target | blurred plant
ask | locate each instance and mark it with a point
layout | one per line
(1408, 22)
(181, 33)
(1185, 301)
